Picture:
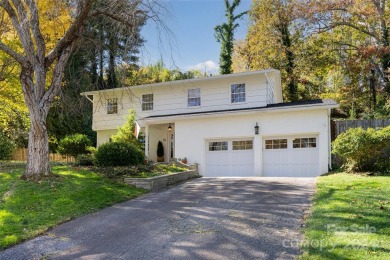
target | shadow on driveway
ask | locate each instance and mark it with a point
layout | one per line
(207, 218)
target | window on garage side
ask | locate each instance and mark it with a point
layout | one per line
(243, 145)
(238, 93)
(193, 97)
(147, 102)
(276, 144)
(304, 143)
(218, 146)
(112, 106)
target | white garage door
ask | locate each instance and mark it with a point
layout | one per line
(229, 158)
(291, 157)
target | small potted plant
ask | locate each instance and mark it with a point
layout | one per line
(184, 160)
(160, 152)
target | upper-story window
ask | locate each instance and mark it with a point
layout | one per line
(194, 97)
(112, 106)
(238, 92)
(147, 102)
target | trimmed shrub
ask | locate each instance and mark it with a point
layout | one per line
(118, 154)
(6, 147)
(74, 145)
(85, 160)
(160, 149)
(364, 150)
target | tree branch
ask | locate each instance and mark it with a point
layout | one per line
(71, 34)
(56, 82)
(25, 35)
(34, 23)
(16, 56)
(348, 24)
(118, 18)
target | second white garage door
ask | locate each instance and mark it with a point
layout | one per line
(291, 156)
(229, 158)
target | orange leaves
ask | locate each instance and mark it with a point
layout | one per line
(372, 51)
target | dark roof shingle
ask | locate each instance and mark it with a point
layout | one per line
(287, 104)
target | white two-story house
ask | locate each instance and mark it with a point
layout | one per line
(231, 125)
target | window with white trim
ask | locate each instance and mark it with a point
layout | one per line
(305, 143)
(238, 93)
(218, 146)
(193, 97)
(112, 106)
(147, 102)
(276, 144)
(243, 145)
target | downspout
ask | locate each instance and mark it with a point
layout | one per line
(329, 141)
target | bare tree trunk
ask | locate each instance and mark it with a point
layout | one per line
(38, 150)
(38, 141)
(372, 90)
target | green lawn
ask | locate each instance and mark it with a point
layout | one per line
(28, 209)
(350, 218)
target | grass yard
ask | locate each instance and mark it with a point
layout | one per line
(28, 209)
(350, 218)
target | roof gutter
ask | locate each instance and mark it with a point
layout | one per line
(86, 96)
(185, 81)
(239, 112)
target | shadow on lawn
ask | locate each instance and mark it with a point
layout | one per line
(31, 208)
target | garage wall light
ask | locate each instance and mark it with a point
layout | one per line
(169, 128)
(257, 129)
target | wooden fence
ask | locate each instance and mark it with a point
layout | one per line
(340, 126)
(21, 155)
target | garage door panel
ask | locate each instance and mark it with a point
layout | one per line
(291, 157)
(230, 163)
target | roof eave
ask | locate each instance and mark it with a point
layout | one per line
(185, 81)
(242, 112)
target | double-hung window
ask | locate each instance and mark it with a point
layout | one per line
(238, 93)
(147, 102)
(112, 106)
(193, 97)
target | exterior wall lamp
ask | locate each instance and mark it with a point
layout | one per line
(257, 129)
(169, 128)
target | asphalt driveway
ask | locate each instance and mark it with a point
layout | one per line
(207, 218)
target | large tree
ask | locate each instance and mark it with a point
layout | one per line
(42, 64)
(114, 43)
(324, 49)
(224, 34)
(274, 40)
(369, 56)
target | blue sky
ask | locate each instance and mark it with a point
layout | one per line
(192, 43)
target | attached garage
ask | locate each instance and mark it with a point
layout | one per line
(229, 158)
(291, 156)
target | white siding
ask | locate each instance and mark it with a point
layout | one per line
(104, 136)
(191, 134)
(172, 99)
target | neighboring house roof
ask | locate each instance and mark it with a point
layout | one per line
(185, 81)
(297, 105)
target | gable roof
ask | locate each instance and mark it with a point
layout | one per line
(185, 81)
(317, 103)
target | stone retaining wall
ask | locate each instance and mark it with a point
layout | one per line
(159, 182)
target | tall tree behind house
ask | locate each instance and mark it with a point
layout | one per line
(224, 34)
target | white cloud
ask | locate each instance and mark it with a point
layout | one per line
(209, 66)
